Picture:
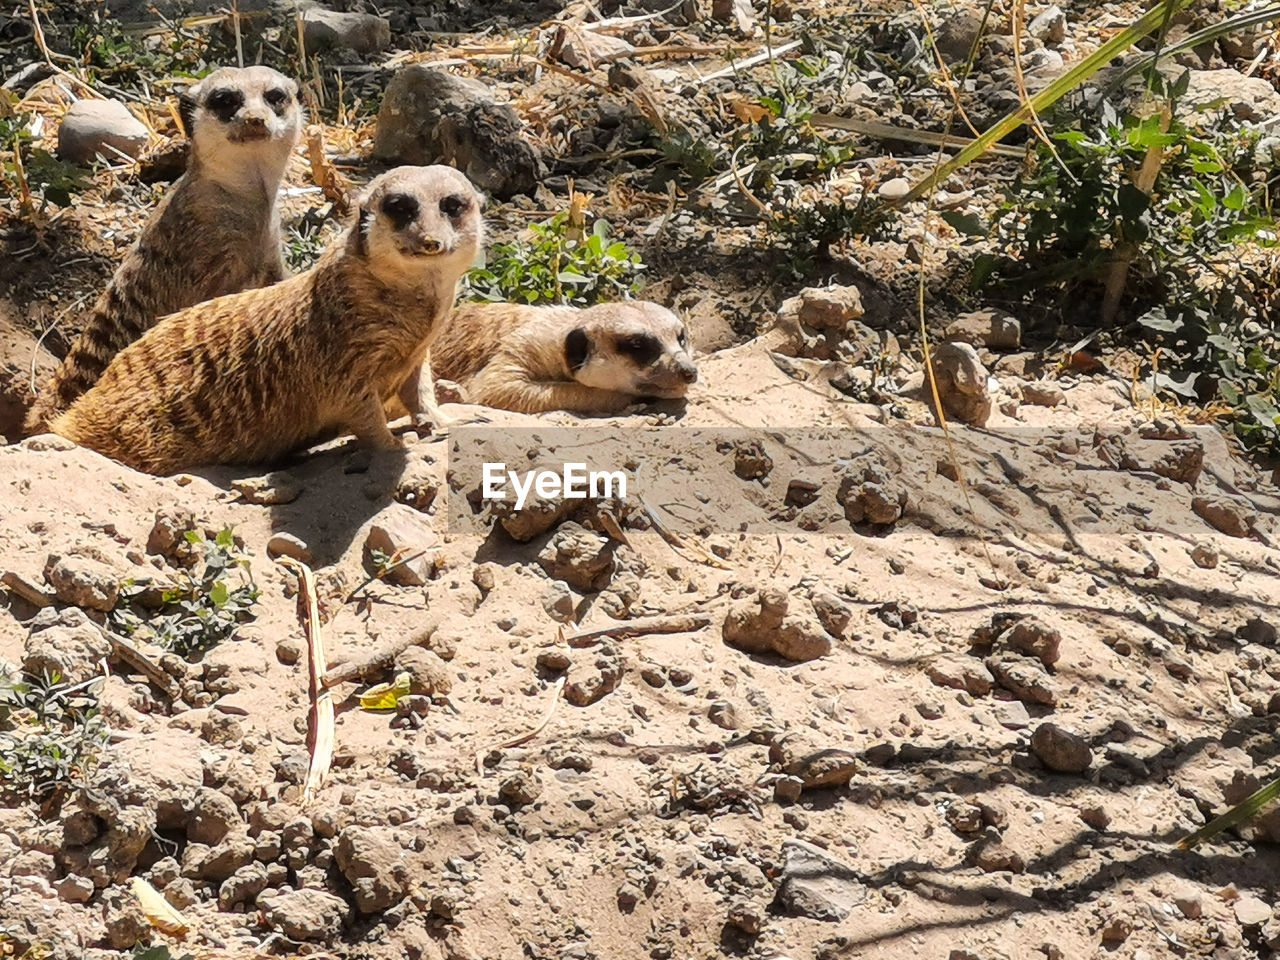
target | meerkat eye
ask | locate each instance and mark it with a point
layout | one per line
(400, 208)
(640, 347)
(683, 339)
(454, 206)
(276, 97)
(225, 102)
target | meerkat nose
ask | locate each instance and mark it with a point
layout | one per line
(255, 120)
(431, 245)
(689, 372)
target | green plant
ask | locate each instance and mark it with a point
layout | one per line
(557, 267)
(49, 732)
(304, 242)
(30, 171)
(1146, 215)
(204, 609)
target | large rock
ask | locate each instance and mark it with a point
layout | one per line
(310, 915)
(430, 116)
(361, 32)
(64, 643)
(1244, 98)
(403, 533)
(765, 624)
(962, 383)
(83, 582)
(1060, 749)
(816, 885)
(373, 863)
(93, 128)
(578, 556)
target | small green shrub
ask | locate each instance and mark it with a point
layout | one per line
(204, 609)
(552, 268)
(1208, 310)
(30, 171)
(50, 732)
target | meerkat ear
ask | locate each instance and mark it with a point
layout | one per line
(576, 347)
(188, 100)
(364, 219)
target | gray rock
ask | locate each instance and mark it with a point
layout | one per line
(100, 127)
(582, 558)
(1230, 515)
(1024, 677)
(83, 582)
(986, 328)
(601, 677)
(242, 886)
(65, 643)
(894, 189)
(765, 624)
(430, 116)
(558, 601)
(962, 383)
(361, 32)
(74, 889)
(1050, 26)
(287, 545)
(428, 675)
(1245, 98)
(1043, 393)
(959, 672)
(211, 816)
(401, 531)
(1060, 749)
(957, 34)
(816, 885)
(373, 863)
(310, 915)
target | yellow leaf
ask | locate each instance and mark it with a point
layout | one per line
(158, 910)
(385, 696)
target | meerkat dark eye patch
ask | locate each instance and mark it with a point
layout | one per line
(576, 347)
(454, 206)
(276, 97)
(224, 103)
(642, 348)
(400, 209)
(683, 339)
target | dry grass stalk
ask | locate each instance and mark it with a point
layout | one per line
(320, 731)
(525, 737)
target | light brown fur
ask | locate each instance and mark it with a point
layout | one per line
(535, 359)
(217, 231)
(250, 377)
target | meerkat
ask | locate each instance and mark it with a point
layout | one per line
(599, 359)
(217, 231)
(250, 377)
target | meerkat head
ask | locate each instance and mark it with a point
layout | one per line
(639, 348)
(240, 119)
(416, 221)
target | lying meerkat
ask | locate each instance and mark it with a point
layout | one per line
(595, 360)
(217, 231)
(250, 377)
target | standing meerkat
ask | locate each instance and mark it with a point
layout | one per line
(217, 231)
(249, 377)
(595, 360)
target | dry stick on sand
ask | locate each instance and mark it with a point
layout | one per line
(382, 657)
(524, 737)
(320, 719)
(685, 623)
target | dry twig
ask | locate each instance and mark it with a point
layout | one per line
(684, 623)
(380, 658)
(320, 731)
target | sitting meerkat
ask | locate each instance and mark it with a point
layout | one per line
(249, 377)
(599, 359)
(217, 231)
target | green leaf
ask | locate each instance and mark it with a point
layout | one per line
(218, 595)
(193, 537)
(1158, 319)
(1237, 198)
(1263, 409)
(1229, 392)
(1247, 809)
(1071, 80)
